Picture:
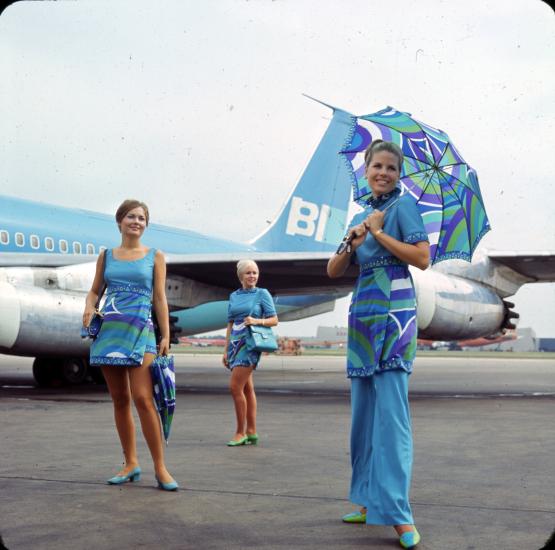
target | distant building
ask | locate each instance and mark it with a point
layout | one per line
(332, 333)
(546, 344)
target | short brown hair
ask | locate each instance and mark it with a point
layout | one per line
(126, 206)
(380, 145)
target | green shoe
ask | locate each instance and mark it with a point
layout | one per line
(252, 439)
(409, 539)
(234, 443)
(355, 517)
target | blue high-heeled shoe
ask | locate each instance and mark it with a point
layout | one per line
(170, 486)
(133, 475)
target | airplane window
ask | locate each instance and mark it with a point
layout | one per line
(63, 246)
(101, 248)
(49, 244)
(20, 239)
(90, 248)
(76, 247)
(4, 237)
(35, 241)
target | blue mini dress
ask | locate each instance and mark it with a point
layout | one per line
(127, 332)
(256, 302)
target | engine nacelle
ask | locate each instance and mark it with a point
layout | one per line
(454, 308)
(37, 321)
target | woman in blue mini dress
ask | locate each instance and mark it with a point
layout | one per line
(387, 237)
(248, 305)
(125, 347)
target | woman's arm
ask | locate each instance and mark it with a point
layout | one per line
(160, 302)
(265, 321)
(92, 295)
(338, 263)
(225, 360)
(417, 254)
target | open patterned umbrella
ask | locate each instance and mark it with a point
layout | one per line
(162, 370)
(445, 187)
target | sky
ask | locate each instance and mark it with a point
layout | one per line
(161, 101)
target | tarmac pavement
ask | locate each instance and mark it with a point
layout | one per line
(484, 472)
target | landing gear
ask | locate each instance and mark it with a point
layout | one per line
(54, 372)
(74, 371)
(46, 371)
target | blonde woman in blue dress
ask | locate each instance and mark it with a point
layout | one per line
(135, 276)
(387, 237)
(248, 305)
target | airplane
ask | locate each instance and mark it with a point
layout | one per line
(47, 256)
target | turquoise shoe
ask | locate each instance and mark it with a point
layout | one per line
(252, 439)
(409, 539)
(170, 486)
(133, 475)
(241, 441)
(355, 517)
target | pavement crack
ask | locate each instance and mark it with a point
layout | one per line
(186, 490)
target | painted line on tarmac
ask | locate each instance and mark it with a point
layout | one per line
(274, 495)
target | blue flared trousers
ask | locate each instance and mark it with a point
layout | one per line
(381, 447)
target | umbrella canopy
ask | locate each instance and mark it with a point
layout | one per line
(445, 187)
(162, 370)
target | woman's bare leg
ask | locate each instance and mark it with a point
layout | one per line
(141, 391)
(239, 379)
(118, 385)
(250, 397)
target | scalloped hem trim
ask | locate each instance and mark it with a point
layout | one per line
(392, 364)
(111, 361)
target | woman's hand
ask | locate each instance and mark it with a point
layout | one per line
(164, 346)
(358, 234)
(374, 222)
(225, 360)
(251, 321)
(87, 315)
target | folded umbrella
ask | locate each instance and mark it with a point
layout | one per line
(162, 371)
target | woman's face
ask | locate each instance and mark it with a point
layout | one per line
(249, 276)
(383, 173)
(134, 222)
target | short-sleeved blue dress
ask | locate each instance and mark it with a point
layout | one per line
(256, 302)
(382, 315)
(127, 332)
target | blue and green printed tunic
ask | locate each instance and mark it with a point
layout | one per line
(127, 332)
(382, 316)
(256, 302)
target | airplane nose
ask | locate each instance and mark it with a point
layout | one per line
(10, 316)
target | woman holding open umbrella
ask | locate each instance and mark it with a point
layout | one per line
(248, 305)
(125, 347)
(385, 238)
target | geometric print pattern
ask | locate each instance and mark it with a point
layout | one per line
(382, 323)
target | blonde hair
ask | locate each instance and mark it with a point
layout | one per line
(128, 205)
(242, 265)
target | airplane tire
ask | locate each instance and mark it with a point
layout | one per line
(46, 372)
(74, 371)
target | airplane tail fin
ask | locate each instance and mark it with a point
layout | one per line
(315, 214)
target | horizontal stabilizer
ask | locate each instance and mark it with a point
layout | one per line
(535, 266)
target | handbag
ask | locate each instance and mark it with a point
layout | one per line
(261, 338)
(96, 320)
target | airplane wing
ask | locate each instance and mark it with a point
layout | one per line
(535, 266)
(286, 273)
